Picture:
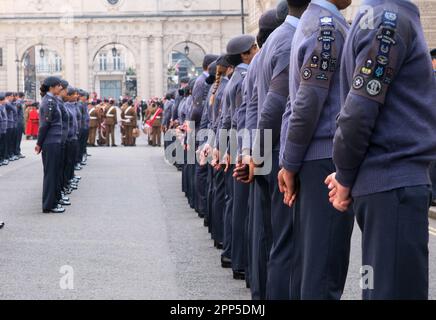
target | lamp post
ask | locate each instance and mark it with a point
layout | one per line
(187, 49)
(243, 16)
(17, 61)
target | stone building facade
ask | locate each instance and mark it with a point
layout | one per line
(95, 41)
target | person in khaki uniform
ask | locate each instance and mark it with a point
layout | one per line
(102, 133)
(130, 123)
(93, 125)
(123, 123)
(155, 120)
(110, 113)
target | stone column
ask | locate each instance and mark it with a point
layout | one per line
(69, 61)
(158, 66)
(11, 64)
(84, 64)
(144, 73)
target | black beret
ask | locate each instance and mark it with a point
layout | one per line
(71, 90)
(240, 44)
(282, 10)
(222, 61)
(8, 94)
(269, 21)
(64, 83)
(298, 3)
(208, 59)
(52, 82)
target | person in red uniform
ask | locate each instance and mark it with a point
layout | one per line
(33, 121)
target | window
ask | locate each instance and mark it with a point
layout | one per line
(1, 57)
(103, 61)
(117, 62)
(58, 63)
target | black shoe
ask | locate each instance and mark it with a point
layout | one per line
(114, 145)
(219, 245)
(64, 203)
(2, 224)
(206, 223)
(73, 187)
(55, 210)
(226, 263)
(201, 215)
(247, 284)
(239, 275)
(77, 177)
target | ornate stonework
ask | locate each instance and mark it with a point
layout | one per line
(77, 30)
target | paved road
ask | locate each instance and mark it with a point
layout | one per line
(128, 235)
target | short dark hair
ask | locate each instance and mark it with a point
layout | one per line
(433, 54)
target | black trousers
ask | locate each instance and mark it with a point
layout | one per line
(2, 146)
(228, 213)
(241, 195)
(219, 203)
(321, 238)
(395, 240)
(209, 211)
(51, 160)
(261, 242)
(83, 143)
(71, 154)
(61, 175)
(19, 136)
(10, 141)
(282, 217)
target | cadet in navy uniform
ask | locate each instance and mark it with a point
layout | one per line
(49, 143)
(60, 98)
(200, 92)
(240, 52)
(216, 214)
(3, 128)
(11, 111)
(433, 165)
(384, 144)
(272, 92)
(321, 234)
(20, 123)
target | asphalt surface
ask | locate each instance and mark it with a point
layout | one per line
(128, 235)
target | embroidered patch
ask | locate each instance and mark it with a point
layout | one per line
(358, 82)
(366, 71)
(322, 77)
(374, 87)
(333, 65)
(307, 74)
(324, 65)
(379, 72)
(383, 60)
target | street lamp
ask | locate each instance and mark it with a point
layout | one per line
(42, 52)
(17, 61)
(114, 51)
(243, 16)
(187, 49)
